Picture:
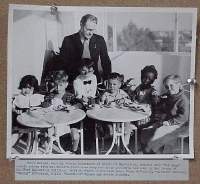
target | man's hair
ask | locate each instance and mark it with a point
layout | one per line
(87, 17)
(115, 75)
(149, 69)
(29, 81)
(175, 78)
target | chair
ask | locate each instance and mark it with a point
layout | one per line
(181, 138)
(56, 137)
(21, 131)
(135, 132)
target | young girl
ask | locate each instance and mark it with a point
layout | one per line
(116, 96)
(85, 84)
(145, 92)
(146, 95)
(27, 99)
(174, 118)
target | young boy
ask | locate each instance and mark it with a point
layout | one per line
(85, 87)
(174, 118)
(85, 84)
(116, 96)
(60, 98)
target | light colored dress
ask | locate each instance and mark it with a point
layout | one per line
(22, 101)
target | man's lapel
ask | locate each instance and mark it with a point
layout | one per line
(93, 46)
(78, 44)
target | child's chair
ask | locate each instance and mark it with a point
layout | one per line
(182, 138)
(59, 131)
(20, 131)
(134, 132)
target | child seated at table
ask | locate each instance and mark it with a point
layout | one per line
(115, 96)
(61, 98)
(85, 84)
(173, 119)
(145, 92)
(85, 87)
(145, 95)
(27, 99)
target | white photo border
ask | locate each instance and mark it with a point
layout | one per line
(10, 66)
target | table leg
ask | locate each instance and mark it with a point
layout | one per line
(123, 141)
(82, 144)
(136, 141)
(56, 139)
(50, 146)
(118, 130)
(96, 138)
(29, 143)
(59, 145)
(33, 142)
(115, 135)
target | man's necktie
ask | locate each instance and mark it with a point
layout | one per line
(86, 51)
(87, 82)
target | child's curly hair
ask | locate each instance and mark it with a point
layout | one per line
(175, 78)
(149, 69)
(60, 76)
(115, 75)
(29, 81)
(86, 62)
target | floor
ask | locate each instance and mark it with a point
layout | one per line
(90, 149)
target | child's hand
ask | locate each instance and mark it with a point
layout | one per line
(85, 99)
(120, 101)
(155, 97)
(154, 93)
(166, 123)
(18, 112)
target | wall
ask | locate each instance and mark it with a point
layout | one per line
(131, 63)
(30, 40)
(37, 32)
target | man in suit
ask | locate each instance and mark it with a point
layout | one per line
(86, 44)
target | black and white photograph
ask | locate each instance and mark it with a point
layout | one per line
(100, 82)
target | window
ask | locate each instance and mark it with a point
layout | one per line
(148, 31)
(184, 32)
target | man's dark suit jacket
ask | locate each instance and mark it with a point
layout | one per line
(72, 50)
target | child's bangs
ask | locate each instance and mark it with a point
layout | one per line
(60, 81)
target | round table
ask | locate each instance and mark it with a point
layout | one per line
(116, 116)
(48, 118)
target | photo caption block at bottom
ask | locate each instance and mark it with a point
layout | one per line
(176, 170)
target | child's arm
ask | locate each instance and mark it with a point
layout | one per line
(103, 97)
(16, 109)
(155, 97)
(94, 86)
(78, 88)
(125, 97)
(135, 93)
(47, 100)
(182, 113)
